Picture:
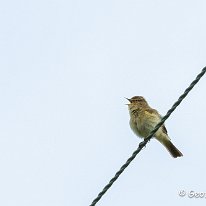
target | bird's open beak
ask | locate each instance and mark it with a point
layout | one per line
(128, 100)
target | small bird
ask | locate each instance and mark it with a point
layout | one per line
(143, 120)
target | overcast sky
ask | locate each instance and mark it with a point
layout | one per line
(65, 69)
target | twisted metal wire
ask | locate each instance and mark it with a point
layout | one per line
(147, 139)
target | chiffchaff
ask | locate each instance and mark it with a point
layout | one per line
(143, 120)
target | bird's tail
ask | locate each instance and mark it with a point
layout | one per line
(171, 148)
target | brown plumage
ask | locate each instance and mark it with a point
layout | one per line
(143, 119)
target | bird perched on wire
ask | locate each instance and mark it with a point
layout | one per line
(143, 120)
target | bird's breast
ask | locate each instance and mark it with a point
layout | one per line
(135, 126)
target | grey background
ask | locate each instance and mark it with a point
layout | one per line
(65, 69)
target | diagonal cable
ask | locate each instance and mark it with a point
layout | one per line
(143, 143)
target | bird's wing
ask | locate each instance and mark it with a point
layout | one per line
(164, 129)
(152, 114)
(151, 118)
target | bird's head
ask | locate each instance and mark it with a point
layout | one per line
(137, 101)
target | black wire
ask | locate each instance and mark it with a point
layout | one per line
(142, 144)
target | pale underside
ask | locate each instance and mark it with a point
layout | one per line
(143, 122)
